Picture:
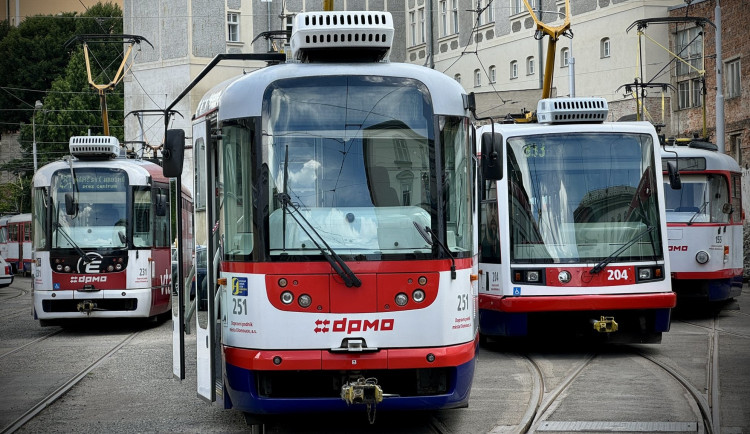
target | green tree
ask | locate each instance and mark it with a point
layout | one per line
(71, 106)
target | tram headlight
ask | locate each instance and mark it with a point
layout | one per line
(110, 268)
(417, 295)
(422, 281)
(304, 300)
(532, 276)
(118, 267)
(59, 267)
(644, 274)
(702, 257)
(67, 268)
(287, 297)
(401, 299)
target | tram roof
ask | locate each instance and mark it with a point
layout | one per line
(528, 129)
(242, 96)
(139, 171)
(714, 159)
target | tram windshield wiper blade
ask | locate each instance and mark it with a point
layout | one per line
(697, 213)
(59, 228)
(338, 264)
(600, 266)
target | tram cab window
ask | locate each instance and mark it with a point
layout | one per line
(700, 200)
(238, 191)
(142, 228)
(39, 237)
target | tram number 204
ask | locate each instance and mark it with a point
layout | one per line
(617, 274)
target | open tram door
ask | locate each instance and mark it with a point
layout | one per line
(207, 257)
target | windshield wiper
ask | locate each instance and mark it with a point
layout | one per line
(78, 250)
(700, 211)
(429, 236)
(600, 266)
(338, 264)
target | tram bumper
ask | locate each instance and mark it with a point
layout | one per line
(253, 388)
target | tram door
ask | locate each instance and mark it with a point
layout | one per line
(206, 237)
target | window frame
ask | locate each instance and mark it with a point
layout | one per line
(233, 24)
(513, 69)
(733, 78)
(605, 48)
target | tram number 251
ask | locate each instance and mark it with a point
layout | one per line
(239, 306)
(463, 302)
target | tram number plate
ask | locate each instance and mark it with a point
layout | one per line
(617, 274)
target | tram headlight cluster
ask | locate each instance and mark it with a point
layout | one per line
(651, 272)
(304, 300)
(533, 276)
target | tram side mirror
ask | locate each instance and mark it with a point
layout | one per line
(674, 176)
(173, 153)
(71, 208)
(492, 156)
(161, 205)
(727, 208)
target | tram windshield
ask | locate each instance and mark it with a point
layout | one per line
(356, 158)
(578, 197)
(700, 200)
(99, 198)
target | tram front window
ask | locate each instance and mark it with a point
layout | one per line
(98, 219)
(351, 162)
(700, 200)
(578, 197)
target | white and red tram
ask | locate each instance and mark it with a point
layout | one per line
(101, 235)
(15, 242)
(334, 199)
(705, 221)
(572, 226)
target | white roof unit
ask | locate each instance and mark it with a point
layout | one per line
(342, 36)
(571, 110)
(94, 147)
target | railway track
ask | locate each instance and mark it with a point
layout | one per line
(50, 398)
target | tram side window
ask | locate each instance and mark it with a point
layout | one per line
(142, 228)
(489, 227)
(13, 233)
(736, 198)
(718, 196)
(161, 222)
(39, 237)
(456, 181)
(238, 199)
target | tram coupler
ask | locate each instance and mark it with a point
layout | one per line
(86, 307)
(363, 391)
(606, 324)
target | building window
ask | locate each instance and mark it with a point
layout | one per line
(530, 65)
(233, 27)
(457, 77)
(683, 94)
(732, 73)
(696, 91)
(604, 48)
(735, 147)
(443, 17)
(477, 78)
(480, 17)
(513, 70)
(491, 12)
(516, 6)
(564, 57)
(454, 14)
(422, 27)
(413, 27)
(493, 74)
(688, 45)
